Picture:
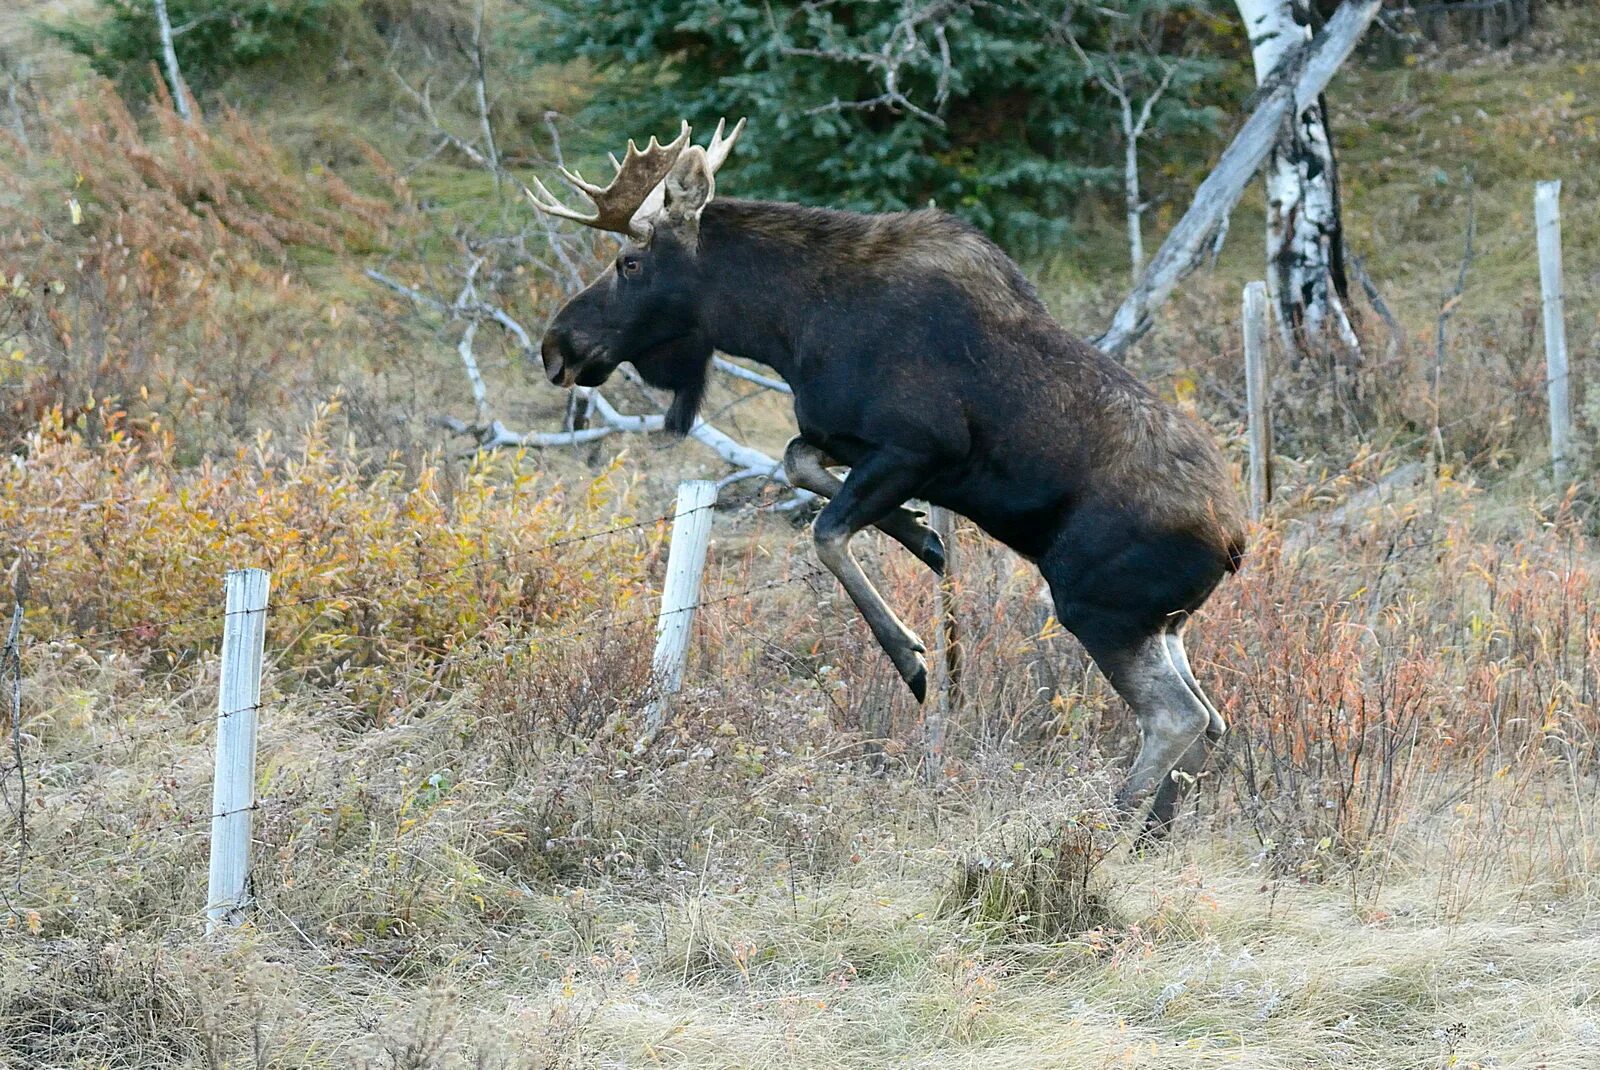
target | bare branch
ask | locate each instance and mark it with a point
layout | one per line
(416, 295)
(903, 49)
(481, 88)
(1302, 76)
(722, 364)
(492, 434)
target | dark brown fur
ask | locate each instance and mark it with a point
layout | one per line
(922, 359)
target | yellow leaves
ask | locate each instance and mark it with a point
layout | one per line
(374, 572)
(75, 210)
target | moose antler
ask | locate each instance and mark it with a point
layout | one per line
(636, 191)
(632, 196)
(720, 146)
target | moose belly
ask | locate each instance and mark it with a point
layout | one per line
(1024, 514)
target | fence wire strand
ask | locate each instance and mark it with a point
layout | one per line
(11, 655)
(499, 652)
(89, 636)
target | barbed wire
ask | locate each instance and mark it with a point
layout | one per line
(1432, 432)
(526, 641)
(11, 664)
(498, 652)
(503, 557)
(184, 822)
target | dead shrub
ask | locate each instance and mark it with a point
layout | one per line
(1039, 886)
(93, 1005)
(157, 267)
(378, 573)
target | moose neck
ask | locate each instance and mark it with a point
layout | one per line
(759, 279)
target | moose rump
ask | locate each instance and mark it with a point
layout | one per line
(923, 360)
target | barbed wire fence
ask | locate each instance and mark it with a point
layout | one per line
(11, 672)
(682, 597)
(240, 705)
(234, 721)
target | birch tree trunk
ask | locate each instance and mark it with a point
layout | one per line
(1186, 244)
(1133, 199)
(169, 56)
(1305, 239)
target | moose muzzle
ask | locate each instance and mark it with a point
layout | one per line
(556, 353)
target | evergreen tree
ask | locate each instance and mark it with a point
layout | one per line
(212, 37)
(976, 106)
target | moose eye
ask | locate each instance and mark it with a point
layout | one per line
(631, 267)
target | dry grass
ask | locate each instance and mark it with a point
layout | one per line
(491, 879)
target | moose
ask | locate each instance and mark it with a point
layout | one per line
(922, 360)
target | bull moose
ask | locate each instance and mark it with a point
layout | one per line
(923, 360)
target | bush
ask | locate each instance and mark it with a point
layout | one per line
(211, 37)
(1009, 137)
(157, 264)
(375, 568)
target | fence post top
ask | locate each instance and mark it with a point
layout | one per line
(248, 575)
(696, 494)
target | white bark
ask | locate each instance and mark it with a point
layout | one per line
(739, 371)
(469, 361)
(1311, 70)
(1304, 239)
(169, 56)
(1107, 74)
(482, 91)
(1133, 201)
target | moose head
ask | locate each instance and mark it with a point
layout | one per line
(645, 309)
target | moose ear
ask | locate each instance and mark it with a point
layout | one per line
(689, 187)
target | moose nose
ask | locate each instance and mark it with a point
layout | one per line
(555, 352)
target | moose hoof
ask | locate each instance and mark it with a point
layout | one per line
(912, 669)
(1151, 837)
(918, 682)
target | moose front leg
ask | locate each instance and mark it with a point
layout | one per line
(807, 468)
(874, 490)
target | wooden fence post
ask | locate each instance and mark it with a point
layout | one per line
(946, 648)
(233, 794)
(1547, 216)
(686, 561)
(1255, 386)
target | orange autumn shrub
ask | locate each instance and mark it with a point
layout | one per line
(372, 565)
(169, 265)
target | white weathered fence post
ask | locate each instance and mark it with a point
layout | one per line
(686, 561)
(946, 652)
(1547, 216)
(1255, 386)
(233, 795)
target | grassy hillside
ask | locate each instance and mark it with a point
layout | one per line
(460, 859)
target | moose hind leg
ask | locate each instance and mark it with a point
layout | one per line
(807, 468)
(874, 488)
(1218, 727)
(1172, 727)
(1169, 794)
